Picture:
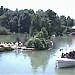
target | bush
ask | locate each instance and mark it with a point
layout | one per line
(39, 35)
(30, 43)
(42, 34)
(36, 43)
(39, 40)
(45, 33)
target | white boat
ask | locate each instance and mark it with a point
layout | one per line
(65, 62)
(66, 58)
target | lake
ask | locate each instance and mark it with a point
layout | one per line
(35, 62)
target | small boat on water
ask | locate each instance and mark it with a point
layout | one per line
(66, 60)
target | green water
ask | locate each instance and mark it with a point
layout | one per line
(35, 62)
(12, 37)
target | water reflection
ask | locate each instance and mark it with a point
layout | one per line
(38, 59)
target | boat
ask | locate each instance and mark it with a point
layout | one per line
(66, 59)
(65, 62)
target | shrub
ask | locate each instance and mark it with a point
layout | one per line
(38, 44)
(42, 34)
(30, 43)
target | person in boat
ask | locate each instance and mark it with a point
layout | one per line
(70, 55)
(67, 56)
(63, 55)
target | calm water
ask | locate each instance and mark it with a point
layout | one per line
(36, 62)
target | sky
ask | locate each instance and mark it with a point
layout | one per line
(61, 7)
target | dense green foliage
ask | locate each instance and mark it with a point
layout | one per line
(37, 43)
(39, 40)
(42, 34)
(32, 22)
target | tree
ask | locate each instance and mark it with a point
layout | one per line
(14, 24)
(70, 21)
(35, 24)
(46, 23)
(45, 33)
(26, 20)
(51, 14)
(3, 21)
(1, 11)
(25, 23)
(63, 20)
(40, 13)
